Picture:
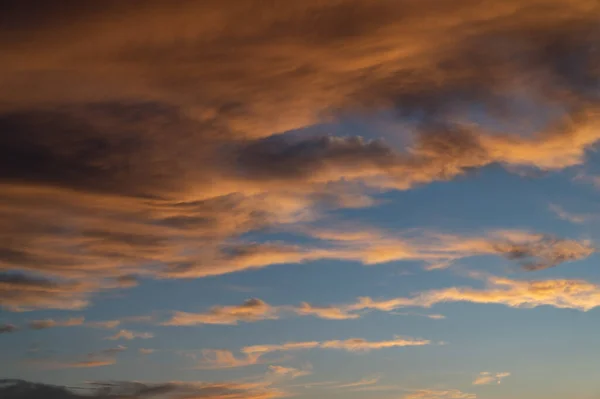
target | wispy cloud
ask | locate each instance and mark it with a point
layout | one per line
(439, 394)
(329, 312)
(280, 372)
(564, 294)
(486, 378)
(165, 188)
(350, 345)
(80, 364)
(107, 324)
(251, 310)
(7, 328)
(49, 323)
(223, 359)
(251, 355)
(561, 293)
(360, 383)
(105, 357)
(129, 335)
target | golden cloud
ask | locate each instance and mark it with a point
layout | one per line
(147, 145)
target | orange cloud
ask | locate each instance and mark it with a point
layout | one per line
(278, 372)
(129, 335)
(222, 359)
(84, 364)
(439, 394)
(106, 357)
(217, 358)
(251, 310)
(329, 312)
(108, 324)
(562, 294)
(350, 345)
(108, 175)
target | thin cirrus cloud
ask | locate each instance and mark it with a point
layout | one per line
(214, 359)
(487, 378)
(563, 294)
(290, 373)
(129, 335)
(171, 171)
(251, 355)
(105, 357)
(559, 293)
(439, 394)
(7, 328)
(251, 310)
(50, 323)
(43, 324)
(107, 324)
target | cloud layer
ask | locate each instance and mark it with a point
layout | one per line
(215, 359)
(152, 153)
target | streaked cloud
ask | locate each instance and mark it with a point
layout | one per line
(105, 357)
(281, 372)
(110, 351)
(7, 328)
(350, 345)
(433, 316)
(251, 310)
(223, 359)
(49, 323)
(360, 383)
(251, 355)
(329, 312)
(487, 378)
(561, 293)
(439, 394)
(80, 364)
(129, 335)
(20, 292)
(146, 351)
(107, 324)
(160, 177)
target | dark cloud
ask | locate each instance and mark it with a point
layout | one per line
(278, 158)
(20, 292)
(19, 389)
(7, 328)
(49, 323)
(544, 251)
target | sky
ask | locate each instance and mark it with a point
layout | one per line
(261, 199)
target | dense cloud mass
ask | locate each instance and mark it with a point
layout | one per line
(145, 145)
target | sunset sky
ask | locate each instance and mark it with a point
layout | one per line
(259, 199)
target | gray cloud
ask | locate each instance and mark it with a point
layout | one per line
(7, 328)
(19, 389)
